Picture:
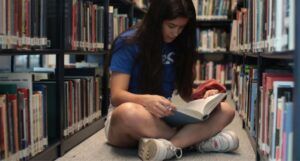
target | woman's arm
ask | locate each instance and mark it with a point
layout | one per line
(155, 104)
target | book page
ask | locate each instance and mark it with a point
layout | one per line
(202, 106)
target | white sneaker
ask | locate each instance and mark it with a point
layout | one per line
(224, 141)
(157, 149)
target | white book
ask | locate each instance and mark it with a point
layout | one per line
(279, 25)
(291, 34)
(276, 85)
(195, 111)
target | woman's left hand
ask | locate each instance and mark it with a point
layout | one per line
(210, 93)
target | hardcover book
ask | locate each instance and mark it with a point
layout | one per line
(195, 111)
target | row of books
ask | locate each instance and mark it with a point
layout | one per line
(82, 98)
(117, 23)
(84, 29)
(275, 109)
(24, 128)
(212, 9)
(212, 40)
(29, 109)
(269, 23)
(277, 89)
(211, 70)
(23, 24)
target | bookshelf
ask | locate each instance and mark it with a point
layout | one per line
(58, 30)
(258, 49)
(212, 35)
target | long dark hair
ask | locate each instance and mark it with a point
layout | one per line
(150, 41)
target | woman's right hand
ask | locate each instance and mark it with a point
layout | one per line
(157, 105)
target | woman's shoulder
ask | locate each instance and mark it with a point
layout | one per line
(128, 33)
(125, 41)
(125, 36)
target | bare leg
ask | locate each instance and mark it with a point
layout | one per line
(130, 122)
(194, 133)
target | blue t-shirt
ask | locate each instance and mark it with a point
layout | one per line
(123, 61)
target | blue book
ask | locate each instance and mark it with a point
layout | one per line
(289, 130)
(194, 111)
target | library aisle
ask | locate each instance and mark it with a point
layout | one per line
(96, 149)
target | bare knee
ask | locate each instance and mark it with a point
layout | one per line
(228, 112)
(127, 114)
(123, 119)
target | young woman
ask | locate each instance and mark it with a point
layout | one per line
(148, 64)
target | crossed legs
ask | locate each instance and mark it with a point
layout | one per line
(130, 122)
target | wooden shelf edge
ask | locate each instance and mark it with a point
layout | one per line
(50, 153)
(70, 142)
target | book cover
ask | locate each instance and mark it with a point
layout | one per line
(194, 111)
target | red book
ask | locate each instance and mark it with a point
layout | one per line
(267, 83)
(3, 127)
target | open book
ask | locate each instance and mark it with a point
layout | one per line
(194, 111)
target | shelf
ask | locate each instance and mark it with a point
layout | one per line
(211, 53)
(197, 82)
(48, 51)
(71, 141)
(236, 53)
(274, 55)
(279, 55)
(76, 52)
(251, 139)
(214, 23)
(252, 55)
(29, 52)
(50, 153)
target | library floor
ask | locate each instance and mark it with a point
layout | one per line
(96, 149)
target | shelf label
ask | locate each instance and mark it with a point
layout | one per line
(81, 44)
(20, 41)
(23, 40)
(80, 124)
(1, 39)
(27, 40)
(65, 132)
(14, 40)
(76, 44)
(44, 41)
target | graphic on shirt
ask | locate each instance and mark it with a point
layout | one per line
(167, 58)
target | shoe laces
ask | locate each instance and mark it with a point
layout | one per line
(174, 151)
(216, 143)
